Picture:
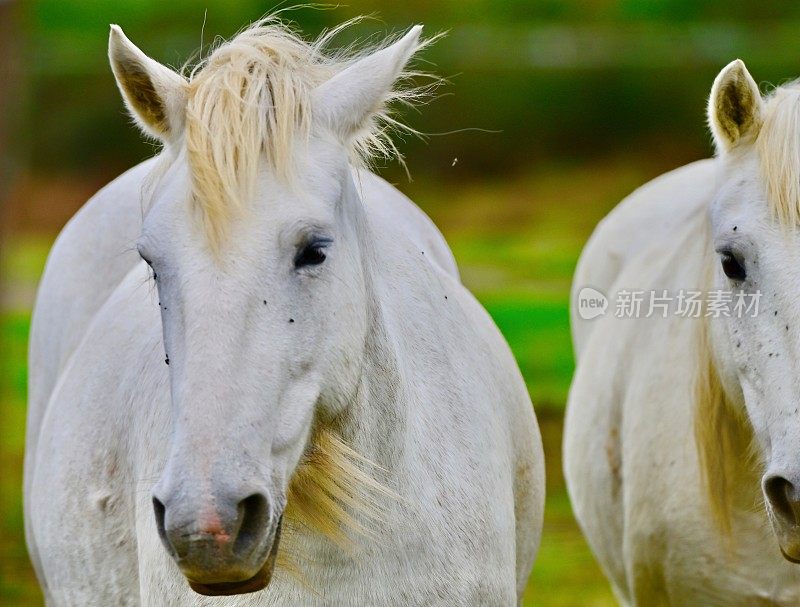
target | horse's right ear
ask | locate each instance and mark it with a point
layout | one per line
(154, 94)
(735, 108)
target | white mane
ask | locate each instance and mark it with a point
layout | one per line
(778, 146)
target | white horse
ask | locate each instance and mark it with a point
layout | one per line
(328, 381)
(682, 440)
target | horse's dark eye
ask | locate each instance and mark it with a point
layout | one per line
(312, 254)
(150, 266)
(732, 267)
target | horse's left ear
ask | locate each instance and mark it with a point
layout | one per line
(735, 108)
(154, 94)
(347, 102)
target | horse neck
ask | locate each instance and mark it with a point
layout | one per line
(374, 422)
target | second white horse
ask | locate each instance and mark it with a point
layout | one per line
(682, 440)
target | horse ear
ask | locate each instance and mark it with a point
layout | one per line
(154, 94)
(348, 101)
(735, 107)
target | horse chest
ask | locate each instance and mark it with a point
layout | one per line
(391, 580)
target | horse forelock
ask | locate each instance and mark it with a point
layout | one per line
(778, 145)
(251, 98)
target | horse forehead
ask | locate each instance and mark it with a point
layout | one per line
(275, 214)
(741, 192)
(281, 209)
(741, 170)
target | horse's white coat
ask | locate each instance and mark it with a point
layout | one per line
(438, 401)
(630, 456)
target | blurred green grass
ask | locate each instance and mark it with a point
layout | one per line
(17, 582)
(516, 244)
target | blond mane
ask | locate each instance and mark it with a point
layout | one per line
(251, 97)
(724, 436)
(778, 146)
(334, 493)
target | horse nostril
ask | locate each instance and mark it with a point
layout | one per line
(160, 512)
(253, 516)
(782, 497)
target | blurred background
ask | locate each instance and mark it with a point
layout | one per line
(562, 106)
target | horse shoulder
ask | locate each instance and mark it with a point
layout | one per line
(97, 421)
(504, 428)
(88, 259)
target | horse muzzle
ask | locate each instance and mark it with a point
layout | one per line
(253, 584)
(222, 551)
(783, 500)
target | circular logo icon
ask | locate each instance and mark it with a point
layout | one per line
(591, 303)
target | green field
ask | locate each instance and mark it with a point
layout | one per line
(516, 245)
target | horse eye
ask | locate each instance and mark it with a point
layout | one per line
(312, 254)
(149, 265)
(732, 267)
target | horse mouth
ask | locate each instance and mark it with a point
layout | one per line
(258, 582)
